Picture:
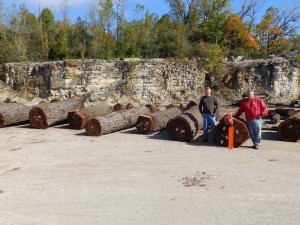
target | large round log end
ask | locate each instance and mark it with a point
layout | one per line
(38, 118)
(93, 128)
(179, 130)
(241, 133)
(145, 124)
(76, 120)
(289, 130)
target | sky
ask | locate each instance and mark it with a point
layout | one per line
(80, 7)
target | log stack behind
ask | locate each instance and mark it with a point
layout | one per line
(47, 114)
(185, 126)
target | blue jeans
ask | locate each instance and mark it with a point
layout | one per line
(209, 119)
(254, 127)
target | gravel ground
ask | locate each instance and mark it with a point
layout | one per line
(61, 176)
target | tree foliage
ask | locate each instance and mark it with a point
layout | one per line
(192, 28)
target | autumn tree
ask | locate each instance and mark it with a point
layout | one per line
(237, 34)
(274, 29)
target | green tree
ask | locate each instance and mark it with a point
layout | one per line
(185, 11)
(48, 28)
(214, 15)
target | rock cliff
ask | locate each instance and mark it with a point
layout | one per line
(160, 81)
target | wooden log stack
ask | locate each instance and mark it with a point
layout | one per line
(150, 123)
(289, 130)
(77, 119)
(185, 126)
(116, 121)
(13, 113)
(241, 133)
(47, 114)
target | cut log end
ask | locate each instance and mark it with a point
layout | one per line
(289, 130)
(93, 128)
(76, 120)
(129, 106)
(179, 130)
(241, 133)
(118, 107)
(170, 106)
(145, 124)
(38, 118)
(190, 104)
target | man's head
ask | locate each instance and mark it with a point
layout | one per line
(250, 94)
(207, 91)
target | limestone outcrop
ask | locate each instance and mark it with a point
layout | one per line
(150, 80)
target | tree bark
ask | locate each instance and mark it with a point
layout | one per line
(44, 115)
(147, 124)
(289, 130)
(77, 119)
(13, 113)
(185, 126)
(241, 133)
(115, 121)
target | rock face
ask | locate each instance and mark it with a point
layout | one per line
(278, 76)
(155, 80)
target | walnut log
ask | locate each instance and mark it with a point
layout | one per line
(77, 119)
(47, 114)
(116, 121)
(147, 124)
(241, 133)
(13, 113)
(185, 126)
(289, 130)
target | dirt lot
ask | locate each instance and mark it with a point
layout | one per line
(61, 176)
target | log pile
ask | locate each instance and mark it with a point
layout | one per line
(150, 123)
(47, 114)
(185, 126)
(241, 133)
(116, 121)
(13, 113)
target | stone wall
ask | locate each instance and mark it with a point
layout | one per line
(161, 81)
(277, 76)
